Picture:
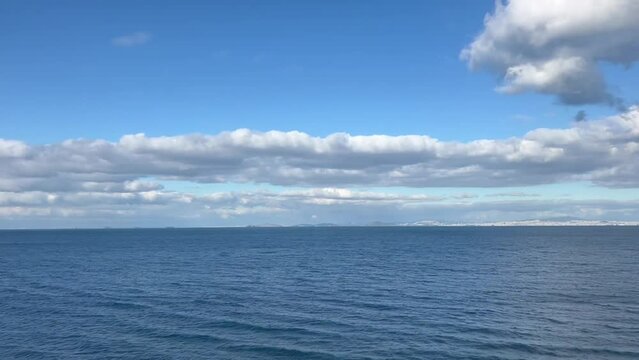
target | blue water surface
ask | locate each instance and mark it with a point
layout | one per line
(321, 293)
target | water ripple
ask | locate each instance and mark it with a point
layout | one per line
(334, 293)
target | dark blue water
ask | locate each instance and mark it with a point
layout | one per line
(321, 293)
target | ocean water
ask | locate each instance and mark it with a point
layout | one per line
(320, 293)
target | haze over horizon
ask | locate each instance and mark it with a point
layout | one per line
(234, 113)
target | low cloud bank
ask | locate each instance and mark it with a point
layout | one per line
(315, 205)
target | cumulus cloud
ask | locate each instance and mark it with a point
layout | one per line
(102, 182)
(556, 46)
(133, 39)
(601, 151)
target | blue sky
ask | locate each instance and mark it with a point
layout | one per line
(364, 67)
(105, 69)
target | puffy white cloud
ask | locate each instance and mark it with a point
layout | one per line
(103, 182)
(603, 152)
(12, 149)
(556, 46)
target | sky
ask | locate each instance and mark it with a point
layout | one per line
(231, 113)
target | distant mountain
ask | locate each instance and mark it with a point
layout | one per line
(381, 223)
(561, 221)
(426, 223)
(316, 225)
(265, 225)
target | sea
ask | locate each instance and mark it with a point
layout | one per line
(321, 293)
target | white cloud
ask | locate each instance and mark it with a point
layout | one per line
(338, 205)
(604, 152)
(556, 46)
(12, 149)
(97, 182)
(133, 39)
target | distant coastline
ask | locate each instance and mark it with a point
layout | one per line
(424, 223)
(434, 223)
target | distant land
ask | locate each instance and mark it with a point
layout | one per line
(530, 222)
(421, 223)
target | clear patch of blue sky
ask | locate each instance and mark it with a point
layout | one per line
(362, 67)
